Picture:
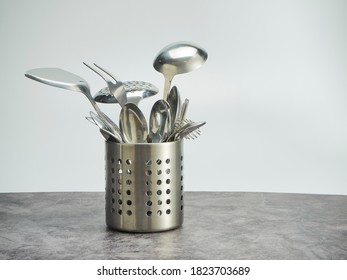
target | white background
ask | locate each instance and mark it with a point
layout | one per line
(273, 90)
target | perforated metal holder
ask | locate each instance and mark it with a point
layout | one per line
(144, 186)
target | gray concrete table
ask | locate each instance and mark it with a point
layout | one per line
(217, 226)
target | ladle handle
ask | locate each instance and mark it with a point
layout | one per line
(167, 86)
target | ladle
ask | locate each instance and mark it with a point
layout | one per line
(178, 58)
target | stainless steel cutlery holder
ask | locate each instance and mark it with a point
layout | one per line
(144, 160)
(144, 186)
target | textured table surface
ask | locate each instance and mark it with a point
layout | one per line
(217, 226)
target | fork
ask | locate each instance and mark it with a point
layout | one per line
(181, 126)
(187, 131)
(115, 86)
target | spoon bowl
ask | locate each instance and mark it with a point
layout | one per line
(159, 121)
(133, 124)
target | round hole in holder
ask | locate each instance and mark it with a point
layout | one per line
(128, 192)
(128, 161)
(168, 201)
(129, 202)
(129, 182)
(119, 161)
(167, 161)
(119, 192)
(159, 172)
(149, 203)
(112, 170)
(120, 171)
(112, 180)
(168, 211)
(159, 212)
(159, 192)
(168, 181)
(112, 210)
(112, 160)
(181, 207)
(159, 182)
(148, 183)
(120, 211)
(168, 191)
(129, 212)
(128, 171)
(158, 161)
(168, 171)
(148, 172)
(113, 190)
(149, 213)
(160, 202)
(119, 181)
(120, 201)
(113, 200)
(148, 162)
(148, 193)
